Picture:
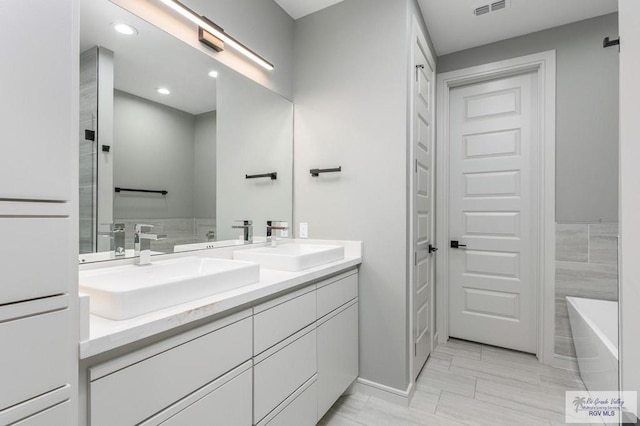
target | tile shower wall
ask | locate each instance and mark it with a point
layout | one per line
(88, 121)
(586, 266)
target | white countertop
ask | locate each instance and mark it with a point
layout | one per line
(106, 334)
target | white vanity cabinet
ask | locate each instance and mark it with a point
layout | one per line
(285, 349)
(282, 362)
(298, 379)
(337, 330)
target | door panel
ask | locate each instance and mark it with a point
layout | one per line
(423, 206)
(492, 212)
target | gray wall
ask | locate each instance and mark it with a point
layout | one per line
(154, 150)
(350, 92)
(255, 136)
(587, 111)
(204, 168)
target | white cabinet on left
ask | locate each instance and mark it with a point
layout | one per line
(38, 108)
(38, 166)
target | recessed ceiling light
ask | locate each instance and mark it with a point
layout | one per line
(213, 74)
(163, 91)
(124, 29)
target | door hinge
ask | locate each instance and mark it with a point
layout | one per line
(418, 67)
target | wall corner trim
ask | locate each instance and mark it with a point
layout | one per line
(384, 392)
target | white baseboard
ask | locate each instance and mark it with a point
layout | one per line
(565, 362)
(386, 393)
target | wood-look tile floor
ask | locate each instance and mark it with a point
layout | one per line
(465, 383)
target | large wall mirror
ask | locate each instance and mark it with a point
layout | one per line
(168, 137)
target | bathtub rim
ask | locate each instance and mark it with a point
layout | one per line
(575, 304)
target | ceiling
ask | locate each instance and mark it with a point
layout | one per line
(453, 26)
(150, 60)
(299, 8)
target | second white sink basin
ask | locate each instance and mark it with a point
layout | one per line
(291, 257)
(128, 291)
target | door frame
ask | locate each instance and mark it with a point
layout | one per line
(544, 65)
(417, 36)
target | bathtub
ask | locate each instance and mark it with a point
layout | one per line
(594, 325)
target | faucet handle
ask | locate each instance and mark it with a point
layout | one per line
(274, 224)
(113, 227)
(243, 224)
(141, 228)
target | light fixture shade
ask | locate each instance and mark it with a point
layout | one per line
(217, 32)
(210, 40)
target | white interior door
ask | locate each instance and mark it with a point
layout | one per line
(423, 205)
(493, 199)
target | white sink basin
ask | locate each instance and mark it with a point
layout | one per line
(291, 257)
(127, 291)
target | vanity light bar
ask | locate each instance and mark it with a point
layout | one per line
(228, 40)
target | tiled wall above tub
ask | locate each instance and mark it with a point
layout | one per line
(586, 266)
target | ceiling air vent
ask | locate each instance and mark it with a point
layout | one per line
(491, 7)
(481, 10)
(498, 5)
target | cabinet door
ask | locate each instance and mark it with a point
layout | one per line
(34, 357)
(39, 80)
(38, 249)
(337, 356)
(230, 404)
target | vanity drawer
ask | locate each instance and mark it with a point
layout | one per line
(301, 411)
(58, 415)
(280, 374)
(278, 319)
(39, 267)
(136, 392)
(229, 404)
(36, 365)
(336, 293)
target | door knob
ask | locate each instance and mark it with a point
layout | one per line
(456, 244)
(432, 249)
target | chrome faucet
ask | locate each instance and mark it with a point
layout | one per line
(142, 243)
(247, 225)
(271, 236)
(116, 236)
(211, 236)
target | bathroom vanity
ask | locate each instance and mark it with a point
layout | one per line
(280, 351)
(220, 327)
